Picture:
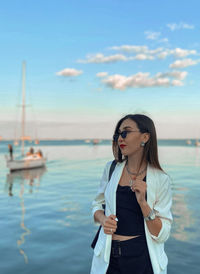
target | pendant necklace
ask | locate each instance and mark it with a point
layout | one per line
(131, 181)
(133, 173)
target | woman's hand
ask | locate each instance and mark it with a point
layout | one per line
(139, 187)
(109, 224)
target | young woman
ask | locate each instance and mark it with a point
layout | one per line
(137, 218)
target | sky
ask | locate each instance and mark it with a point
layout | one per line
(89, 63)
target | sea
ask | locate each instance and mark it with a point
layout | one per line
(46, 225)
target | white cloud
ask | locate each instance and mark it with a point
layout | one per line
(143, 56)
(101, 74)
(68, 72)
(100, 58)
(175, 26)
(180, 75)
(154, 51)
(163, 54)
(136, 49)
(139, 80)
(150, 35)
(139, 53)
(130, 48)
(183, 52)
(177, 53)
(184, 63)
(177, 83)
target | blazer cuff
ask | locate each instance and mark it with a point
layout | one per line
(99, 207)
(164, 232)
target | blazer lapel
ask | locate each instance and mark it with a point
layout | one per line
(151, 186)
(110, 196)
(110, 193)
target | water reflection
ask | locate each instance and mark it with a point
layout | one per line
(29, 177)
(183, 217)
(22, 178)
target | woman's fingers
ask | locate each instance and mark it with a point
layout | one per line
(110, 224)
(109, 230)
(140, 186)
(110, 221)
(140, 183)
(113, 217)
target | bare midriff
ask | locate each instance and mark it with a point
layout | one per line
(122, 237)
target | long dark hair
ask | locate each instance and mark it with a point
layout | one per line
(144, 124)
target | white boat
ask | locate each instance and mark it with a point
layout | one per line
(95, 141)
(25, 162)
(32, 161)
(87, 141)
(197, 143)
(188, 142)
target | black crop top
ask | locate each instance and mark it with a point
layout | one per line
(128, 211)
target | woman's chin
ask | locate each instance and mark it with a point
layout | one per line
(124, 153)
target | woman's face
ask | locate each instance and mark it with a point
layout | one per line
(131, 144)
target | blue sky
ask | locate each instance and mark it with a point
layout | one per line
(146, 52)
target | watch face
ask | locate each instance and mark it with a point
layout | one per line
(153, 216)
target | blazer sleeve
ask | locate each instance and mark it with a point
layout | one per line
(162, 209)
(99, 200)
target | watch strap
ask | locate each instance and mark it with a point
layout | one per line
(151, 216)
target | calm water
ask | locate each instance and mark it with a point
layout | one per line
(46, 224)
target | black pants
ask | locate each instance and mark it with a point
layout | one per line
(130, 257)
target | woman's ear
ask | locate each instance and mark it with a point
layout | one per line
(146, 137)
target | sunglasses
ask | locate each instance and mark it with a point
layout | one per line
(123, 134)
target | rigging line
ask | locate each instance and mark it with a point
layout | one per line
(34, 117)
(18, 107)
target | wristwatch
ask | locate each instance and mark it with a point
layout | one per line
(151, 216)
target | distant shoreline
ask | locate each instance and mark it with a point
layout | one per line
(91, 139)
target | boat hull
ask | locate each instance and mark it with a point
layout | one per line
(25, 164)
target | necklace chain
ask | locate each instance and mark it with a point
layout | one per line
(134, 173)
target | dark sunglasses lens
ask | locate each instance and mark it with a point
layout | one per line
(123, 134)
(115, 137)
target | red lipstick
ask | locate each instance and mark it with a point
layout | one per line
(122, 146)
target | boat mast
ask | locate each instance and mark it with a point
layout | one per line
(23, 103)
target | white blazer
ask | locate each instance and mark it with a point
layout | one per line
(159, 198)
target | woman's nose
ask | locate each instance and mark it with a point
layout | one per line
(120, 139)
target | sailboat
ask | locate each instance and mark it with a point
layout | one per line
(33, 160)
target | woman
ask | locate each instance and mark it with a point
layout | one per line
(137, 218)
